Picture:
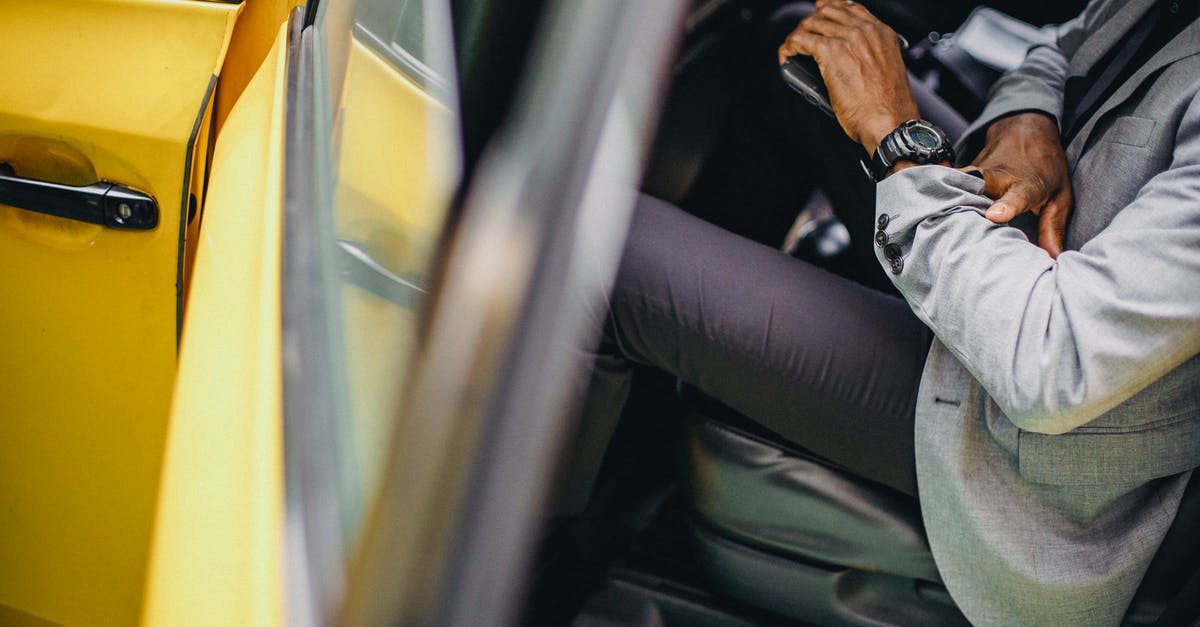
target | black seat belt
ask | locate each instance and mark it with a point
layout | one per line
(1075, 114)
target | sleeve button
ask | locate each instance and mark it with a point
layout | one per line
(891, 251)
(897, 265)
(881, 238)
(882, 223)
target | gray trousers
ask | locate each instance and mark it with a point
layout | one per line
(826, 363)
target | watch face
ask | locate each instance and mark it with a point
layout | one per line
(917, 141)
(923, 137)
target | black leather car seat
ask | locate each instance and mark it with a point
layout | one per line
(785, 531)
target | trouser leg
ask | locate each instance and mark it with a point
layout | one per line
(825, 362)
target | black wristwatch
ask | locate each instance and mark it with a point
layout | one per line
(918, 141)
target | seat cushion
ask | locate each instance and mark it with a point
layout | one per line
(748, 487)
(760, 493)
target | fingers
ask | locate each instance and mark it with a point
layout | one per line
(839, 13)
(1012, 203)
(851, 15)
(1017, 197)
(821, 25)
(799, 42)
(1052, 225)
(996, 181)
(811, 37)
(860, 61)
(812, 30)
(843, 6)
(833, 19)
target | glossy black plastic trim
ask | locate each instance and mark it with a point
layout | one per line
(185, 202)
(310, 13)
(104, 202)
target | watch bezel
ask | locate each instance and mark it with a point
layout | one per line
(918, 152)
(899, 145)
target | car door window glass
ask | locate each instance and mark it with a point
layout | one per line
(396, 159)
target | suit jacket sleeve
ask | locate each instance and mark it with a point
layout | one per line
(1036, 85)
(1056, 343)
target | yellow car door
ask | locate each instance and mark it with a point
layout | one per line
(105, 113)
(331, 179)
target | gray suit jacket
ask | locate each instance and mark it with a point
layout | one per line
(1059, 414)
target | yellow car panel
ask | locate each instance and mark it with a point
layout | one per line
(218, 541)
(94, 90)
(253, 39)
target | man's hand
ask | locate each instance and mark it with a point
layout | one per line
(1024, 169)
(860, 61)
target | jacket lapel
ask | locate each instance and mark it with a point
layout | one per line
(1185, 44)
(1107, 36)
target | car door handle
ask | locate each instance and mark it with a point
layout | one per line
(104, 202)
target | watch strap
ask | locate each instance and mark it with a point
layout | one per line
(885, 156)
(898, 146)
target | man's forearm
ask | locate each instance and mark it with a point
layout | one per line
(1037, 85)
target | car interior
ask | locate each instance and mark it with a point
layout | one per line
(700, 516)
(359, 418)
